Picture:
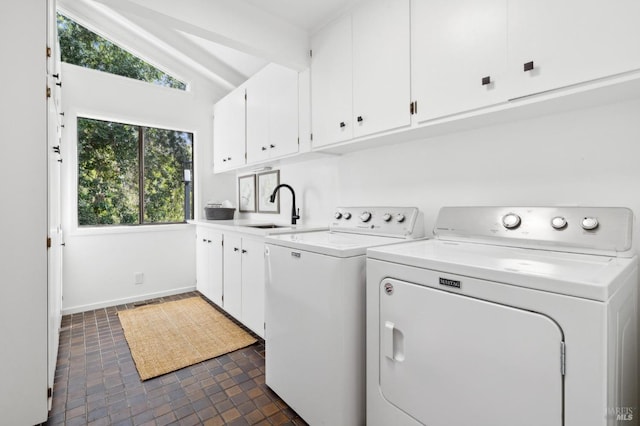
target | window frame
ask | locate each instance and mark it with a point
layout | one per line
(89, 27)
(141, 226)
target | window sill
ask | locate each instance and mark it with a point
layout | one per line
(90, 231)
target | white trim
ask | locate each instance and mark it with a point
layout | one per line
(116, 302)
(90, 231)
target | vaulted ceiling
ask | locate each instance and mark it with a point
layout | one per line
(221, 42)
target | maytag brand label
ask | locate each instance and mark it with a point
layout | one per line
(449, 283)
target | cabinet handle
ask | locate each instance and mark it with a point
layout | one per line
(272, 146)
(342, 124)
(528, 66)
(486, 80)
(224, 160)
(244, 251)
(236, 249)
(229, 158)
(55, 75)
(264, 148)
(359, 119)
(204, 240)
(59, 84)
(208, 241)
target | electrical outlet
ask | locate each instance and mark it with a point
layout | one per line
(138, 277)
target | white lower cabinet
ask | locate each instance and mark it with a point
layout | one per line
(244, 280)
(209, 264)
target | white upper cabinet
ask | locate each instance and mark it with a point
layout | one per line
(570, 41)
(381, 66)
(229, 131)
(360, 73)
(272, 114)
(331, 83)
(458, 55)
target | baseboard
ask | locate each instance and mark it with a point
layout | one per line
(115, 302)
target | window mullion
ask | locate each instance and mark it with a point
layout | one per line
(141, 174)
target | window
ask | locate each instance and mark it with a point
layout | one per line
(130, 175)
(79, 46)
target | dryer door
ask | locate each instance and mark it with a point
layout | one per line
(447, 359)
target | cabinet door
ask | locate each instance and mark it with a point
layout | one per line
(381, 66)
(331, 83)
(202, 262)
(229, 131)
(571, 41)
(233, 276)
(283, 111)
(214, 257)
(459, 55)
(272, 113)
(253, 285)
(258, 117)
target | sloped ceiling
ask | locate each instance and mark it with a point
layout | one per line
(222, 42)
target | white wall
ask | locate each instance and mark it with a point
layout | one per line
(584, 157)
(99, 264)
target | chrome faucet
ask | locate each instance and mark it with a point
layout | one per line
(295, 214)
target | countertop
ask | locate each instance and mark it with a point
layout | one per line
(243, 226)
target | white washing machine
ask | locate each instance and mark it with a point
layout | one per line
(510, 316)
(315, 311)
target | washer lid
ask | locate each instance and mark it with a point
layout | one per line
(337, 244)
(580, 275)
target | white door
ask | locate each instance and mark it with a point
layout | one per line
(253, 285)
(283, 111)
(452, 360)
(215, 267)
(202, 261)
(459, 55)
(381, 66)
(272, 113)
(571, 41)
(258, 117)
(233, 275)
(331, 83)
(229, 131)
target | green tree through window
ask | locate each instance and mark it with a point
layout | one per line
(79, 46)
(132, 174)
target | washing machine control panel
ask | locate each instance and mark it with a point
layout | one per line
(591, 228)
(404, 222)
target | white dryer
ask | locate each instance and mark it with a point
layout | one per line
(510, 316)
(315, 311)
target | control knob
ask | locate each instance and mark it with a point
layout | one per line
(386, 217)
(347, 215)
(365, 216)
(511, 221)
(558, 222)
(589, 223)
(400, 218)
(337, 215)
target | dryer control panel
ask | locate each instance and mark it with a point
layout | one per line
(603, 230)
(401, 222)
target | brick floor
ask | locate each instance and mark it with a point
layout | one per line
(96, 382)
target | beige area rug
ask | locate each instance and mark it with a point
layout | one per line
(173, 335)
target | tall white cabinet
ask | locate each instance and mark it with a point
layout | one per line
(23, 182)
